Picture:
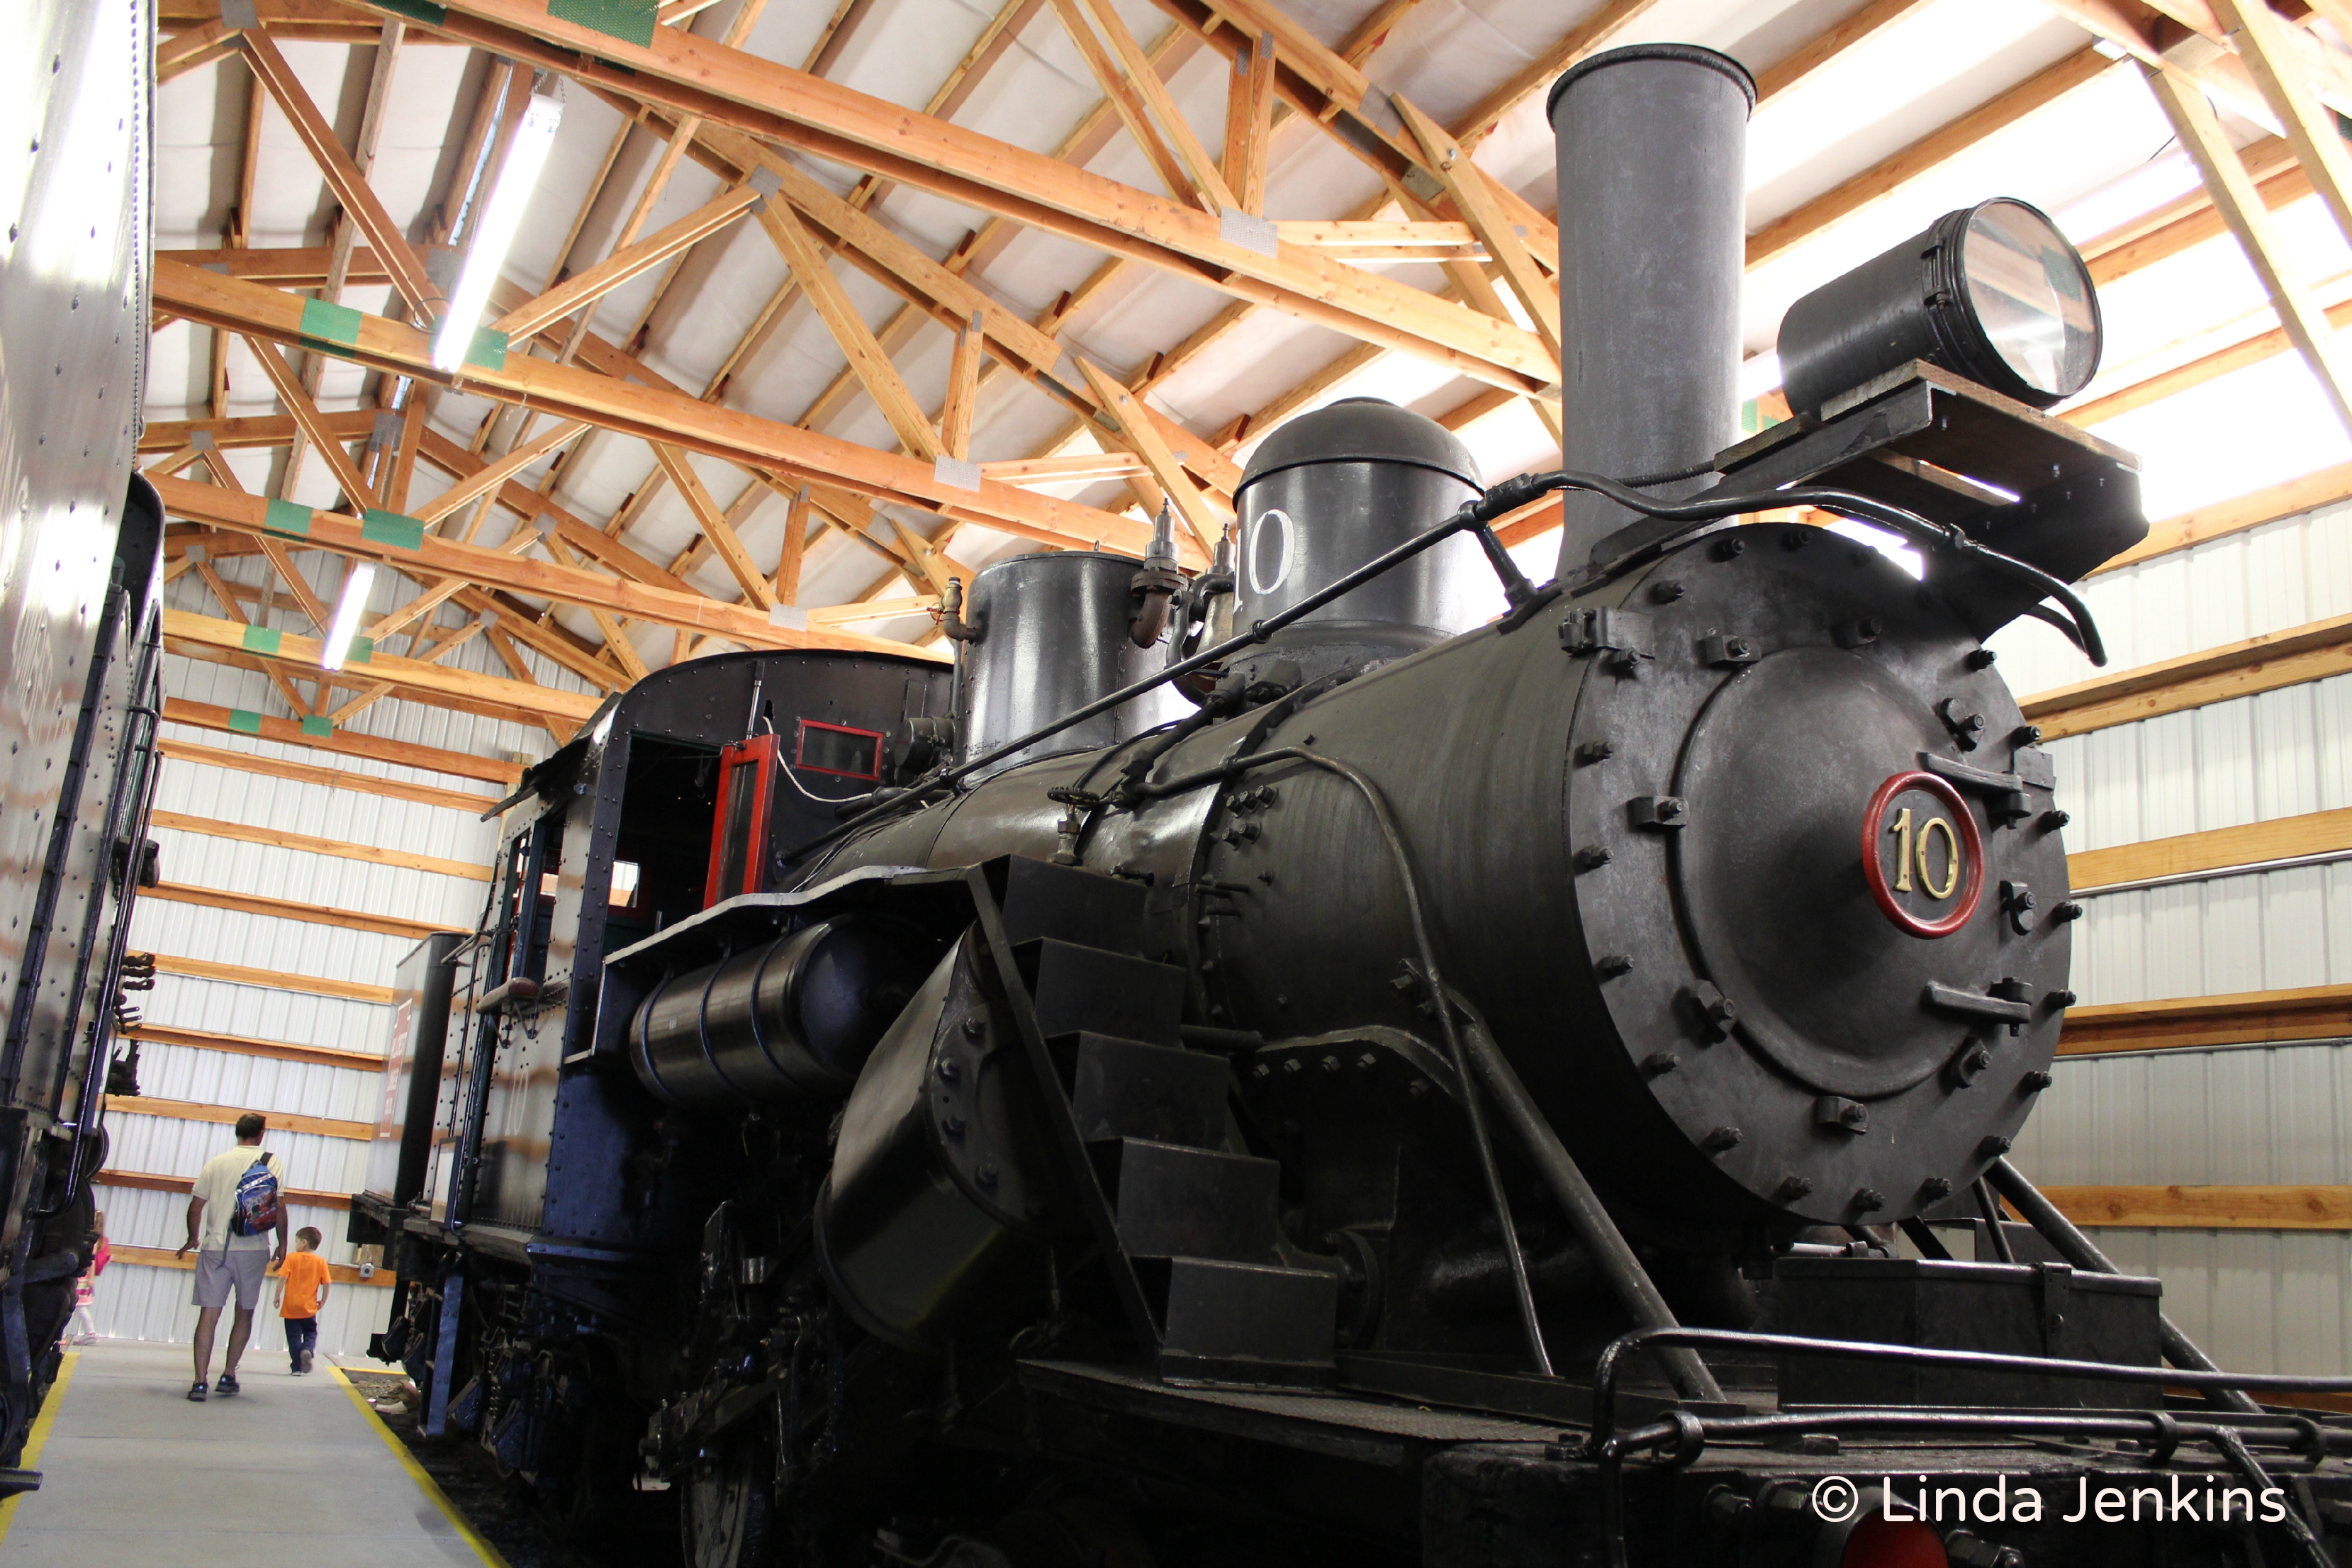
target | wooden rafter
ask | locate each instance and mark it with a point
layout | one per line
(696, 77)
(367, 748)
(833, 305)
(584, 288)
(715, 526)
(660, 412)
(436, 557)
(2202, 137)
(1249, 122)
(343, 175)
(285, 650)
(2197, 1022)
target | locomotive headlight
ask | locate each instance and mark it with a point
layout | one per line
(1992, 292)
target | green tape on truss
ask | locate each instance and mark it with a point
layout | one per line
(391, 529)
(416, 10)
(488, 349)
(262, 640)
(318, 727)
(284, 517)
(243, 722)
(363, 650)
(631, 21)
(330, 324)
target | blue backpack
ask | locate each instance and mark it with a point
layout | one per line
(254, 1211)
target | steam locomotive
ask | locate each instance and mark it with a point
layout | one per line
(81, 575)
(1356, 1055)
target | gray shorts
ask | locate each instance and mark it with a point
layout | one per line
(243, 1267)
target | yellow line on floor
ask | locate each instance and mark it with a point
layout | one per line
(417, 1472)
(39, 1436)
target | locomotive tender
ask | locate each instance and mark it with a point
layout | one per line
(82, 576)
(1426, 1078)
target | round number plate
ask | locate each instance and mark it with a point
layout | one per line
(1923, 854)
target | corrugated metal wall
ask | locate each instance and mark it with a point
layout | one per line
(2257, 1301)
(145, 1302)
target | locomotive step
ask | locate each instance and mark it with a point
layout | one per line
(1125, 1088)
(1190, 1204)
(1219, 1313)
(1041, 900)
(1080, 990)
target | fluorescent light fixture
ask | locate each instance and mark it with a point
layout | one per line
(494, 234)
(348, 611)
(1758, 375)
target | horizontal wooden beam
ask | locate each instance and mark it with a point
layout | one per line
(2257, 664)
(651, 413)
(279, 1121)
(164, 1257)
(2196, 1022)
(302, 654)
(250, 432)
(339, 849)
(2280, 839)
(236, 1044)
(691, 74)
(295, 909)
(327, 778)
(270, 979)
(288, 732)
(147, 1182)
(427, 554)
(2207, 1208)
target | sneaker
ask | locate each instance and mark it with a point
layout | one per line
(307, 1358)
(227, 1383)
(197, 1394)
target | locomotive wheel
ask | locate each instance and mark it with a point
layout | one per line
(728, 1516)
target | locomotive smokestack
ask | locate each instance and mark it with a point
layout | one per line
(1652, 143)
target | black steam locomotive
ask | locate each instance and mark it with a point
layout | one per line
(1358, 1055)
(81, 575)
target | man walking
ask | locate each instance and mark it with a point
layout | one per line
(238, 1206)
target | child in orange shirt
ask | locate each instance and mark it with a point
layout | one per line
(301, 1295)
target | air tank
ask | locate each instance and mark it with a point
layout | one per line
(1050, 632)
(789, 1022)
(1327, 493)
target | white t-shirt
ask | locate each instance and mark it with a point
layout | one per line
(217, 1184)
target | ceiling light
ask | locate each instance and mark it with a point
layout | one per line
(348, 610)
(518, 179)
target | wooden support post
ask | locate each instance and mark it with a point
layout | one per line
(1473, 197)
(832, 303)
(798, 524)
(1249, 122)
(714, 526)
(2279, 71)
(343, 175)
(963, 393)
(2234, 195)
(492, 476)
(1207, 518)
(307, 421)
(582, 290)
(1127, 100)
(1208, 184)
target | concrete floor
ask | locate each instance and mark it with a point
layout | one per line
(290, 1469)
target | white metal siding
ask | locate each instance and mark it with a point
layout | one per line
(2256, 1301)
